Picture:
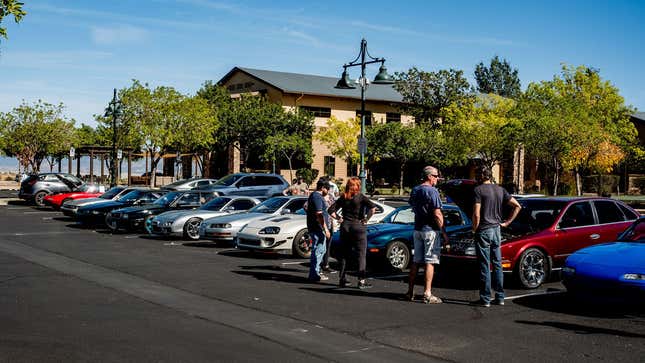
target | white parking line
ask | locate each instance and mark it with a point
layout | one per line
(38, 212)
(535, 294)
(293, 263)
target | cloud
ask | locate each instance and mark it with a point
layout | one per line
(120, 34)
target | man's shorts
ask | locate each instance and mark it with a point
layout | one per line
(427, 246)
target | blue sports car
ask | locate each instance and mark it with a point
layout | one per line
(615, 269)
(390, 241)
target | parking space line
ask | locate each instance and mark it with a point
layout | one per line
(535, 294)
(38, 212)
(293, 263)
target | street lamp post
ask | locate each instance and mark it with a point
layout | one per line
(114, 109)
(345, 83)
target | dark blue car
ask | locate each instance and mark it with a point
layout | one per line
(391, 241)
(610, 270)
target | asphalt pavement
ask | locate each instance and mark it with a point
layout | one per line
(75, 294)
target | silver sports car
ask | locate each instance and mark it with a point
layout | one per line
(186, 223)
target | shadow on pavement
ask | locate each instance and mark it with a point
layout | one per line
(63, 219)
(19, 202)
(255, 255)
(271, 268)
(264, 276)
(353, 291)
(582, 329)
(565, 303)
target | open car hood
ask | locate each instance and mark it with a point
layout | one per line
(461, 192)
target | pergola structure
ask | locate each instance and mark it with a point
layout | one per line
(103, 153)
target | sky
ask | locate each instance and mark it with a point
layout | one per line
(75, 52)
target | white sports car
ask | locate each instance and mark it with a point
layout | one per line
(225, 228)
(186, 223)
(288, 233)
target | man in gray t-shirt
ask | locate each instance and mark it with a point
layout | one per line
(487, 220)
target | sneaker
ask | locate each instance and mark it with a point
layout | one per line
(431, 299)
(343, 283)
(323, 277)
(364, 285)
(499, 302)
(481, 303)
(327, 269)
(409, 296)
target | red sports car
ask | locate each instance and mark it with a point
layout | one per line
(84, 191)
(545, 233)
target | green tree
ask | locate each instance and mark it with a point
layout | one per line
(10, 7)
(247, 123)
(341, 138)
(396, 142)
(486, 128)
(166, 120)
(33, 132)
(426, 94)
(292, 139)
(498, 78)
(220, 102)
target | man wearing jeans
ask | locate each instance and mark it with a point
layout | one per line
(429, 229)
(318, 227)
(487, 220)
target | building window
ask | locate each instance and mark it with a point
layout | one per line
(231, 88)
(239, 86)
(317, 111)
(330, 165)
(392, 117)
(368, 117)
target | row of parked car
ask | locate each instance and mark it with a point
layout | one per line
(549, 234)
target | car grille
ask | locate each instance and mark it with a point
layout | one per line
(116, 215)
(249, 242)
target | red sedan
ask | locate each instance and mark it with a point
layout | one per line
(84, 191)
(545, 233)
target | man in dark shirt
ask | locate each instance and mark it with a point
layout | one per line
(428, 232)
(487, 220)
(318, 227)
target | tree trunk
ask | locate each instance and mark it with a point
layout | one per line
(401, 171)
(556, 176)
(578, 183)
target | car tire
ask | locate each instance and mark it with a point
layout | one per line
(39, 198)
(533, 268)
(397, 255)
(191, 229)
(111, 224)
(301, 245)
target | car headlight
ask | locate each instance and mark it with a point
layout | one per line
(568, 270)
(166, 224)
(270, 230)
(96, 212)
(125, 216)
(221, 225)
(634, 276)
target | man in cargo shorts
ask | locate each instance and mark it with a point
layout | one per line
(428, 232)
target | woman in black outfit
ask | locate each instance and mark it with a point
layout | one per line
(357, 210)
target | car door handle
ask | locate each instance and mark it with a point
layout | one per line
(594, 236)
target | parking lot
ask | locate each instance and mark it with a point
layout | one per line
(78, 294)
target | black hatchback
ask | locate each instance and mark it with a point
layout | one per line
(35, 187)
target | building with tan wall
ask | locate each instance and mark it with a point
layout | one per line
(319, 96)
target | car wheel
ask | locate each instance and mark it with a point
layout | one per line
(191, 229)
(533, 268)
(39, 198)
(111, 223)
(397, 255)
(302, 244)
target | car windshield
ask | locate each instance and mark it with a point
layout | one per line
(167, 199)
(269, 205)
(215, 204)
(133, 196)
(111, 193)
(635, 232)
(229, 180)
(71, 178)
(87, 188)
(401, 215)
(536, 215)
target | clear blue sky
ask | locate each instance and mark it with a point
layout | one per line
(76, 52)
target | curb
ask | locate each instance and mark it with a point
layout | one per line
(5, 201)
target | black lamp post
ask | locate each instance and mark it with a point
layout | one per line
(115, 110)
(345, 83)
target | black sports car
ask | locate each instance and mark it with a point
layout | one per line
(135, 217)
(95, 213)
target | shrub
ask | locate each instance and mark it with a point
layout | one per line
(600, 184)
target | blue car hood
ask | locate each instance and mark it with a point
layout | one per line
(140, 208)
(105, 204)
(625, 254)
